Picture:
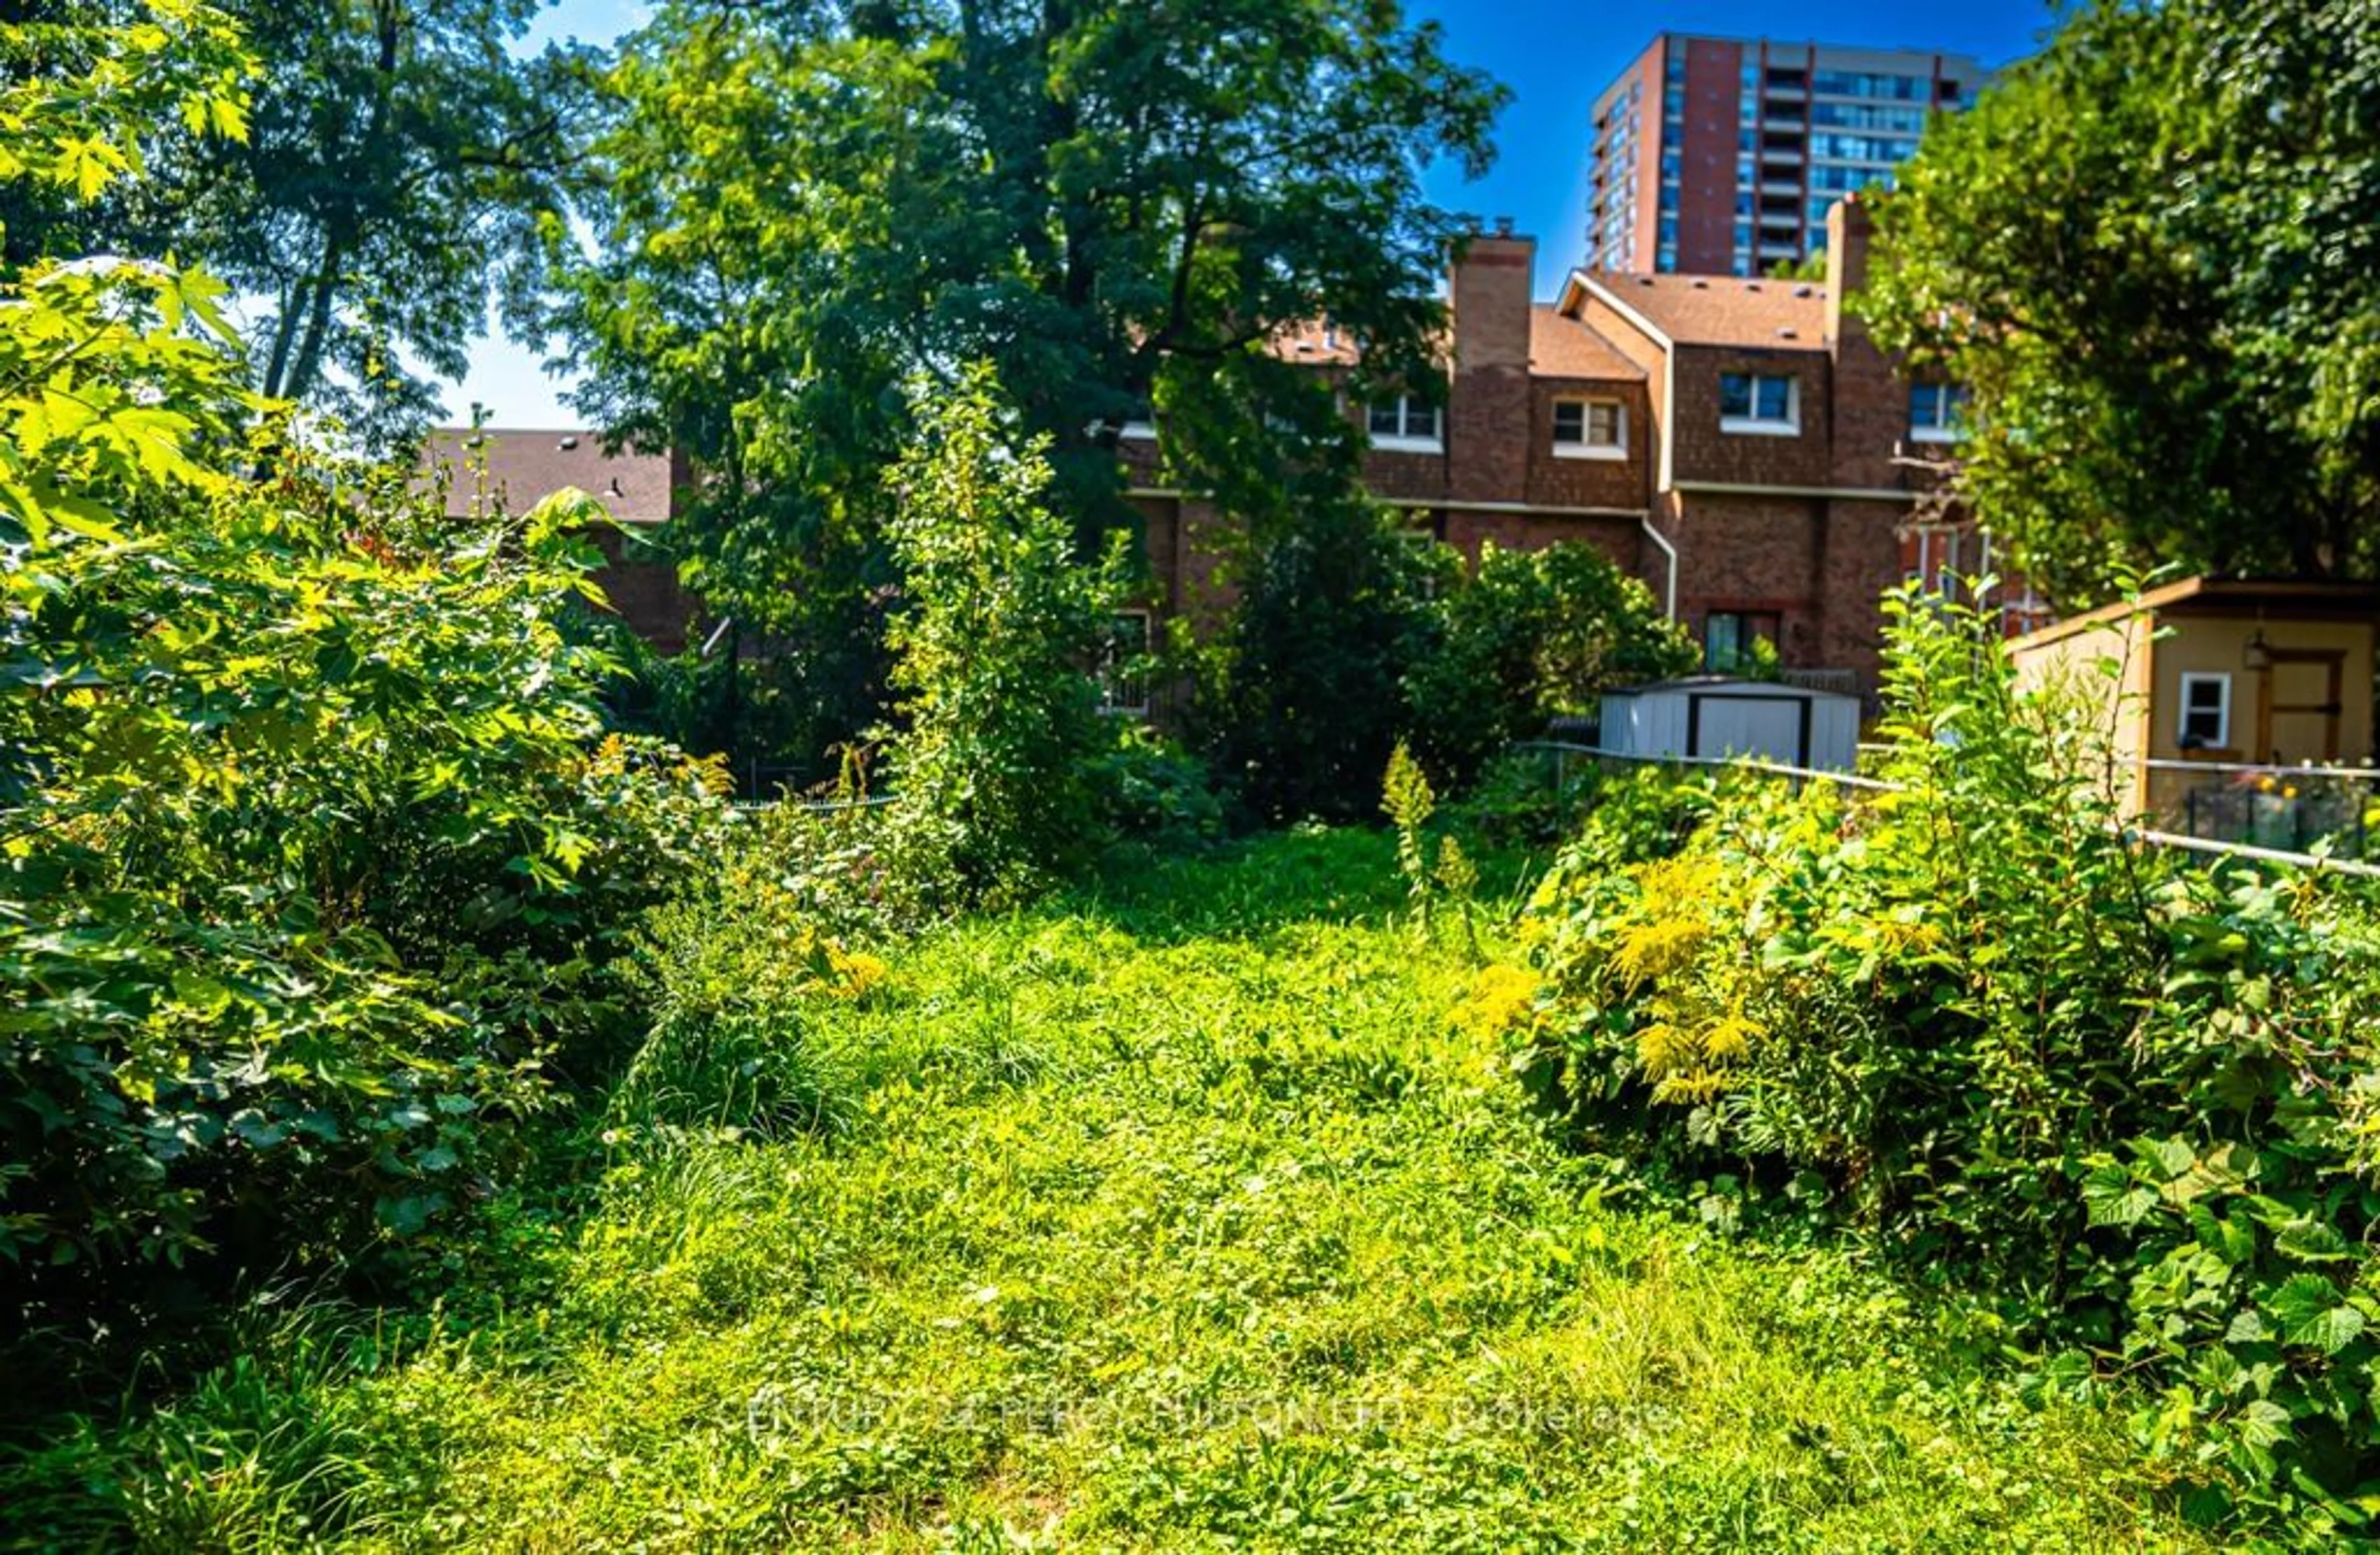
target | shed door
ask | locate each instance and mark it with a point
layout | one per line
(2308, 693)
(1773, 728)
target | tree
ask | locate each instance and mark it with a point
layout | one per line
(803, 206)
(2151, 254)
(398, 156)
(994, 769)
(1300, 705)
(1528, 637)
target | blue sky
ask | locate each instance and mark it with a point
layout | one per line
(1554, 56)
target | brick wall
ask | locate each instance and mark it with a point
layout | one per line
(1622, 540)
(1750, 553)
(1701, 452)
(1555, 481)
(1859, 560)
(641, 583)
(1707, 191)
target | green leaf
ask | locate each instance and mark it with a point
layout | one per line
(2310, 1313)
(2310, 1241)
(2114, 1198)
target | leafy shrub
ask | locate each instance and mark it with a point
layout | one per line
(1529, 635)
(1299, 699)
(2122, 1090)
(312, 861)
(1157, 792)
(995, 771)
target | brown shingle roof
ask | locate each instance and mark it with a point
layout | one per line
(1724, 310)
(524, 466)
(1562, 346)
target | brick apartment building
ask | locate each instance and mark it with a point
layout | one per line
(1723, 155)
(1740, 445)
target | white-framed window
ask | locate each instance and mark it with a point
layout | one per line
(1123, 665)
(1937, 412)
(1140, 423)
(1767, 404)
(1590, 429)
(1408, 423)
(2204, 722)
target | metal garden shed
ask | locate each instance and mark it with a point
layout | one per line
(1715, 715)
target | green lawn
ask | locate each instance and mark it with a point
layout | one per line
(1177, 1216)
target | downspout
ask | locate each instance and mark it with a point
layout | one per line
(1670, 553)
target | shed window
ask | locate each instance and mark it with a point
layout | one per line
(2205, 712)
(1123, 665)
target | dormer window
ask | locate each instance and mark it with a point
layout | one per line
(1590, 429)
(1937, 412)
(1408, 424)
(1760, 404)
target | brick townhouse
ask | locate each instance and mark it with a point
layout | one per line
(1741, 444)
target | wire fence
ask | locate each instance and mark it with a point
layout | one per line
(1563, 753)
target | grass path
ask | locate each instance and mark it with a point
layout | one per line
(1181, 1219)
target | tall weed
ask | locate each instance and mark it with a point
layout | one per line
(2122, 1090)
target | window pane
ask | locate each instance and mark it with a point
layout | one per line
(1570, 423)
(1603, 424)
(1386, 420)
(1776, 395)
(1421, 420)
(1923, 406)
(1734, 393)
(1722, 640)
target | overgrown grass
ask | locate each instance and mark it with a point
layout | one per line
(1177, 1217)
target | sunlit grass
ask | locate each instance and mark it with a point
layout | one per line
(1178, 1217)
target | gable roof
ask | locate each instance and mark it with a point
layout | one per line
(527, 465)
(2286, 599)
(1562, 346)
(1716, 310)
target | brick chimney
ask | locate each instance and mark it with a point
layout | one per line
(1488, 418)
(1850, 224)
(1871, 403)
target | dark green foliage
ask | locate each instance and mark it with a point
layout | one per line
(2153, 252)
(1301, 701)
(803, 207)
(1527, 636)
(2125, 1091)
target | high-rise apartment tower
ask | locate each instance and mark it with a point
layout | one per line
(1719, 156)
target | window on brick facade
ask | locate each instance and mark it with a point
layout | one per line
(1590, 429)
(1759, 402)
(2205, 722)
(1937, 412)
(1410, 422)
(1732, 638)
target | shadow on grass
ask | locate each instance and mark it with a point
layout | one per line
(1259, 885)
